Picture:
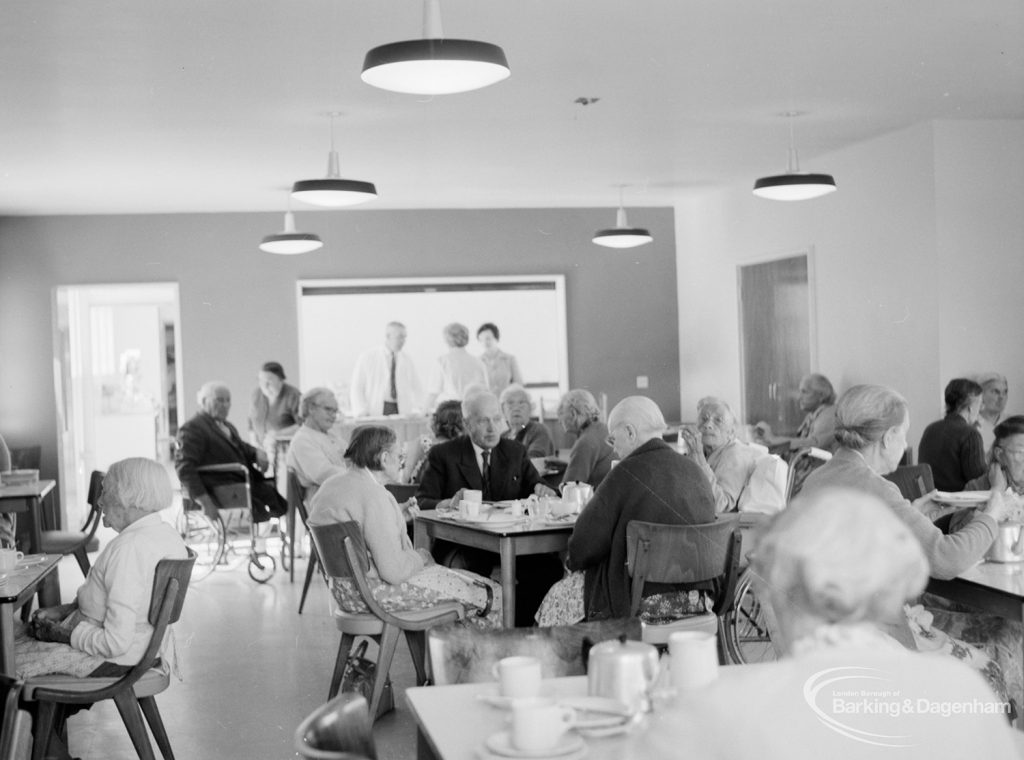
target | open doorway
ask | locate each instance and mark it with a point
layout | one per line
(118, 380)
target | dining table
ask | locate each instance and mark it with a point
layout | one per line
(496, 531)
(32, 572)
(28, 499)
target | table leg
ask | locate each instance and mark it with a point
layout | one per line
(291, 542)
(7, 639)
(508, 582)
(35, 517)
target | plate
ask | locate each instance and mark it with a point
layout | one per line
(501, 744)
(503, 702)
(491, 519)
(961, 498)
(31, 559)
(560, 521)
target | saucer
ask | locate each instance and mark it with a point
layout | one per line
(31, 559)
(501, 744)
(597, 712)
(503, 702)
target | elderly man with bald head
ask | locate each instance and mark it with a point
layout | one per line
(651, 482)
(208, 438)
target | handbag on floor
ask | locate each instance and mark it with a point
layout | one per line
(358, 677)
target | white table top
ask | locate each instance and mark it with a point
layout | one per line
(1007, 577)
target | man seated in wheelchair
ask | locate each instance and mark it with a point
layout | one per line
(209, 439)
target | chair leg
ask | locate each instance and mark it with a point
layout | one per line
(344, 647)
(156, 725)
(83, 559)
(388, 644)
(314, 560)
(128, 706)
(417, 641)
(42, 728)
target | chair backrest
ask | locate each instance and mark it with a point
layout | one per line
(170, 582)
(460, 653)
(296, 496)
(802, 464)
(693, 555)
(402, 491)
(343, 554)
(92, 521)
(26, 457)
(913, 480)
(16, 727)
(341, 728)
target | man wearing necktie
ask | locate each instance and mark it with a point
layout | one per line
(501, 469)
(384, 380)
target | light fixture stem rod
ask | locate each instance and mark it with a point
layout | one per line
(794, 159)
(432, 28)
(289, 221)
(620, 218)
(333, 166)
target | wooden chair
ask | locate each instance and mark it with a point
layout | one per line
(802, 464)
(16, 729)
(79, 543)
(343, 554)
(341, 729)
(297, 501)
(913, 480)
(463, 654)
(402, 491)
(135, 689)
(704, 556)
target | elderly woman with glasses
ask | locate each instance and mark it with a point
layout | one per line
(401, 577)
(517, 406)
(727, 461)
(316, 451)
(591, 457)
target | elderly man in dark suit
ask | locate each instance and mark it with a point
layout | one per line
(501, 469)
(208, 438)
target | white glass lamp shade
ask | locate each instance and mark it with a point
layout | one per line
(435, 66)
(289, 242)
(794, 186)
(622, 235)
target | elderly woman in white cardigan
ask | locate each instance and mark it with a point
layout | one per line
(727, 461)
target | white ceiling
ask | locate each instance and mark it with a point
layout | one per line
(133, 106)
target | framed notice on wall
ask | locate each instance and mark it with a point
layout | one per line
(340, 319)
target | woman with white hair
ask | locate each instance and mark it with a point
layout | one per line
(834, 567)
(517, 406)
(105, 630)
(727, 461)
(591, 457)
(316, 451)
(818, 429)
(456, 371)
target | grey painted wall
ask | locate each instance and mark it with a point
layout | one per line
(238, 304)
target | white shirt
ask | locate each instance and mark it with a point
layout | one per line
(116, 594)
(315, 456)
(371, 381)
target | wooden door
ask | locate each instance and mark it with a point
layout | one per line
(775, 325)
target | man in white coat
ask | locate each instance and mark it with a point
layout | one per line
(385, 380)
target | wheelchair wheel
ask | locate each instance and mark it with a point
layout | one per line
(261, 567)
(747, 637)
(205, 537)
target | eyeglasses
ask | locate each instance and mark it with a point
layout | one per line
(715, 419)
(1012, 453)
(400, 456)
(328, 409)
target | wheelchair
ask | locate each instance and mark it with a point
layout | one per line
(748, 637)
(214, 539)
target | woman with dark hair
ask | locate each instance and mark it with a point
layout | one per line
(953, 446)
(274, 409)
(401, 577)
(502, 368)
(446, 425)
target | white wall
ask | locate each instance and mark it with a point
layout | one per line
(896, 303)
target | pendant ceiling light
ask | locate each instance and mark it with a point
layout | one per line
(794, 185)
(622, 235)
(434, 65)
(289, 242)
(333, 191)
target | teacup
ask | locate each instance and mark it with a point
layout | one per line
(470, 494)
(538, 724)
(9, 559)
(518, 677)
(694, 659)
(469, 508)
